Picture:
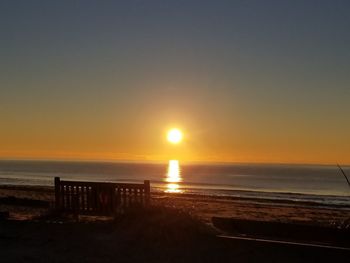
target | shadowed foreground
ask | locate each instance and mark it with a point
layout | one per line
(155, 235)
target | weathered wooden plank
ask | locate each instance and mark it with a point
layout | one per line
(75, 201)
(82, 191)
(57, 193)
(62, 197)
(88, 198)
(70, 197)
(147, 191)
(66, 196)
(122, 185)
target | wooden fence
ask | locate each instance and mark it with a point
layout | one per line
(96, 198)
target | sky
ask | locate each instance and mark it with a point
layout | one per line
(246, 81)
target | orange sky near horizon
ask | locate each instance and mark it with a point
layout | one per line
(216, 127)
(200, 144)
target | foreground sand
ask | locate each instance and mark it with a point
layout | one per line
(176, 229)
(159, 235)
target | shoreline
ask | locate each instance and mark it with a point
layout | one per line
(236, 195)
(243, 195)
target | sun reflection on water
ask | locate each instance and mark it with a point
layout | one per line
(173, 177)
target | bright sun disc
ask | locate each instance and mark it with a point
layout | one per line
(174, 136)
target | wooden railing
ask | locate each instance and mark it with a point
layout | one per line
(97, 198)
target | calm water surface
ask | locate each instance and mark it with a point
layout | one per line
(304, 182)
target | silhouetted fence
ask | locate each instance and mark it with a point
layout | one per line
(97, 198)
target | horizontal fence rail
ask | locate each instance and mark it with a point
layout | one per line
(97, 198)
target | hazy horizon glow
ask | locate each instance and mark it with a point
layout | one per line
(246, 81)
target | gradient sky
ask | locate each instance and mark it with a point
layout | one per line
(247, 81)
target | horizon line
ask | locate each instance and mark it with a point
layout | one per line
(77, 160)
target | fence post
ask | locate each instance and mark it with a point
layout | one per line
(57, 193)
(147, 191)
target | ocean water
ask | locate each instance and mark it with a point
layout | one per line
(300, 183)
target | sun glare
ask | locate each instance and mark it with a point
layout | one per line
(174, 136)
(173, 177)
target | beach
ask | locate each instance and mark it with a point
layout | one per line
(202, 207)
(177, 229)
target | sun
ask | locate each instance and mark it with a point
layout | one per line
(174, 136)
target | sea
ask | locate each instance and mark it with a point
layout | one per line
(318, 184)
